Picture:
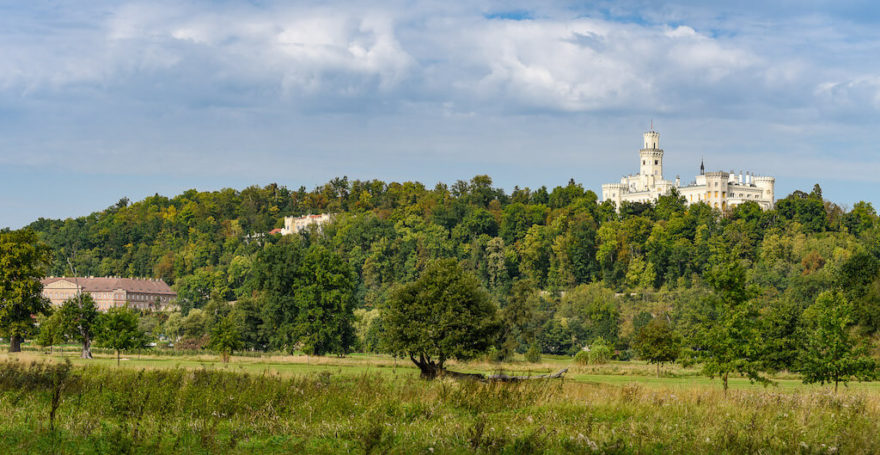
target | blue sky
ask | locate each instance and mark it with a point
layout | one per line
(100, 100)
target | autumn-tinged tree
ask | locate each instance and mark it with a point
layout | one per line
(23, 262)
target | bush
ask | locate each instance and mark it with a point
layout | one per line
(533, 355)
(192, 343)
(600, 352)
(582, 358)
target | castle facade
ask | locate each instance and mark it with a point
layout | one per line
(721, 190)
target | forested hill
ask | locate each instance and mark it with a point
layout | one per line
(204, 242)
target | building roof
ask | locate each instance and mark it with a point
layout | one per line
(107, 284)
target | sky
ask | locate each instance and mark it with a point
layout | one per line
(101, 100)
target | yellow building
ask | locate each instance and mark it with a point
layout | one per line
(109, 292)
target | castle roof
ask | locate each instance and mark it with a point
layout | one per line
(108, 284)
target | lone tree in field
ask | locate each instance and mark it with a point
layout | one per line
(226, 336)
(23, 261)
(52, 332)
(445, 314)
(118, 330)
(79, 317)
(829, 353)
(731, 343)
(658, 343)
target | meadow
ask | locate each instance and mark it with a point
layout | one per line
(372, 404)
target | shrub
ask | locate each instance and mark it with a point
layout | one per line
(600, 352)
(192, 343)
(533, 355)
(582, 358)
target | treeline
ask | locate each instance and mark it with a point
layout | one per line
(564, 269)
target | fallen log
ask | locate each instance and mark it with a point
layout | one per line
(501, 377)
(506, 378)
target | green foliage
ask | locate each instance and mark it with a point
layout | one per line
(119, 330)
(51, 331)
(226, 336)
(829, 353)
(533, 354)
(582, 357)
(307, 295)
(732, 343)
(23, 262)
(657, 342)
(600, 352)
(444, 314)
(214, 247)
(80, 319)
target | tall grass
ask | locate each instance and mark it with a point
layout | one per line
(104, 409)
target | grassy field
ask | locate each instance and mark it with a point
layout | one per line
(612, 373)
(366, 404)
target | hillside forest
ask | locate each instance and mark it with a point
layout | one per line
(563, 270)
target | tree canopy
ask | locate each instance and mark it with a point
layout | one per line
(444, 314)
(23, 262)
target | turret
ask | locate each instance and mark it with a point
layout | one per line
(651, 158)
(767, 186)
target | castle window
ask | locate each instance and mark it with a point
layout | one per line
(643, 162)
(656, 162)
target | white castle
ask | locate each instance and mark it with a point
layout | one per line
(720, 190)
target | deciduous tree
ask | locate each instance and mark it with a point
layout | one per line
(829, 352)
(118, 330)
(444, 314)
(23, 262)
(80, 319)
(658, 343)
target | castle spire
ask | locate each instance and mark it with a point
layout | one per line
(702, 168)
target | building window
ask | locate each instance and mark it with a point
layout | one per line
(723, 194)
(656, 162)
(643, 162)
(716, 194)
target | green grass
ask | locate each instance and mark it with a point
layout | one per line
(365, 405)
(613, 373)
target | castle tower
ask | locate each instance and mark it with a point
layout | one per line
(651, 157)
(767, 186)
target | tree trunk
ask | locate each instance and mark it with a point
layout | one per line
(15, 343)
(724, 378)
(117, 357)
(835, 386)
(86, 348)
(428, 369)
(658, 369)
